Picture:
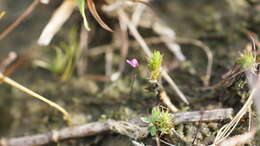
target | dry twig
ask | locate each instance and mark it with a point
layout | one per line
(27, 12)
(134, 128)
(125, 128)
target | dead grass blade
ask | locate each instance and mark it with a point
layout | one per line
(93, 11)
(239, 139)
(20, 87)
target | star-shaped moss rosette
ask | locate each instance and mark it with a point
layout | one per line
(246, 60)
(160, 122)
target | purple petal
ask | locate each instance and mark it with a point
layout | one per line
(134, 63)
(128, 61)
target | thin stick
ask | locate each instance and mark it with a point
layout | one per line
(249, 119)
(208, 115)
(82, 62)
(8, 60)
(35, 95)
(226, 130)
(242, 139)
(109, 61)
(122, 33)
(27, 12)
(157, 140)
(59, 17)
(166, 143)
(197, 131)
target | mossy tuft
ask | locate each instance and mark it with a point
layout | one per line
(155, 63)
(160, 122)
(246, 60)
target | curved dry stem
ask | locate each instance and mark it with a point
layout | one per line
(13, 83)
(208, 52)
(93, 11)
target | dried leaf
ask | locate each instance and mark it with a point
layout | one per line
(94, 13)
(81, 5)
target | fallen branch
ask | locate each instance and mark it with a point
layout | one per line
(134, 128)
(122, 127)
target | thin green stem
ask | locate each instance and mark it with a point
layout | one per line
(132, 83)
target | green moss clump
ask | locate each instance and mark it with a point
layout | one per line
(246, 60)
(155, 63)
(160, 122)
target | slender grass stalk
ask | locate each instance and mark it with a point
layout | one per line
(13, 83)
(227, 129)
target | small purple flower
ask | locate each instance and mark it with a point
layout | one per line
(134, 63)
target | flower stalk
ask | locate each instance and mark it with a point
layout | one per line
(135, 64)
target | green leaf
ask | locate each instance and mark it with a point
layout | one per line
(153, 130)
(155, 114)
(59, 61)
(146, 120)
(81, 5)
